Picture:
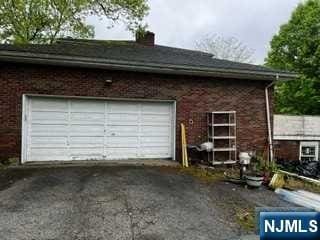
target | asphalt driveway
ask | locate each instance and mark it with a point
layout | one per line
(124, 202)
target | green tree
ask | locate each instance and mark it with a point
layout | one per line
(42, 21)
(297, 48)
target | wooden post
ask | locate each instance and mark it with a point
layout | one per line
(184, 146)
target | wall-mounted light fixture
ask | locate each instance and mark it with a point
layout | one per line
(108, 81)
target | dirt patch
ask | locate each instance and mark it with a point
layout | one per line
(210, 175)
(204, 175)
(245, 217)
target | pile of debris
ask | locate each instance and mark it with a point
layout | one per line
(308, 169)
(311, 169)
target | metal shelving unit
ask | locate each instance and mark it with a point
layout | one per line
(222, 131)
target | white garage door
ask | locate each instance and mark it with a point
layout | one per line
(74, 129)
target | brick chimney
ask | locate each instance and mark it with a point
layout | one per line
(145, 39)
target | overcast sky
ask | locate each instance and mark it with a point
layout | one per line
(179, 23)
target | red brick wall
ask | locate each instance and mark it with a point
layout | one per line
(194, 96)
(287, 150)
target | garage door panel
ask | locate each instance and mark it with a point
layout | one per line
(158, 135)
(122, 134)
(87, 119)
(122, 153)
(122, 107)
(160, 129)
(155, 131)
(155, 124)
(48, 154)
(86, 153)
(86, 141)
(63, 129)
(123, 142)
(48, 141)
(47, 117)
(155, 144)
(46, 104)
(87, 130)
(156, 119)
(48, 130)
(156, 152)
(157, 108)
(87, 106)
(155, 141)
(123, 129)
(122, 118)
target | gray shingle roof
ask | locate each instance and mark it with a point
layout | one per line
(130, 51)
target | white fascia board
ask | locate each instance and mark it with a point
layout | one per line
(297, 138)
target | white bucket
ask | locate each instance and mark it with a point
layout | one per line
(244, 158)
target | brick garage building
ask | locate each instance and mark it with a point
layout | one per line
(90, 99)
(297, 138)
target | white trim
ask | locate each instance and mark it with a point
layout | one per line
(69, 125)
(105, 124)
(174, 129)
(29, 118)
(25, 108)
(61, 60)
(139, 128)
(24, 120)
(99, 98)
(311, 144)
(297, 138)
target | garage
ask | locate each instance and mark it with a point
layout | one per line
(69, 129)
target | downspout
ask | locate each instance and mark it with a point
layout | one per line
(269, 119)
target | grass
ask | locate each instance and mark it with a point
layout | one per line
(204, 175)
(246, 218)
(282, 180)
(293, 183)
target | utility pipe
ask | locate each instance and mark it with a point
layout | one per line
(269, 119)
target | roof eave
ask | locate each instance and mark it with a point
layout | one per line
(58, 60)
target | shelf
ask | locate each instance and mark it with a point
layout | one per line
(222, 137)
(224, 162)
(224, 149)
(228, 123)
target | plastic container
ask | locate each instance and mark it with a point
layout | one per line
(254, 181)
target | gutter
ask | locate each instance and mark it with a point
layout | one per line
(60, 60)
(269, 120)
